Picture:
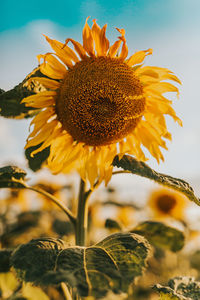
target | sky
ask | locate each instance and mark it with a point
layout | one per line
(171, 28)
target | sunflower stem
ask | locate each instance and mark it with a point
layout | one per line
(82, 216)
(56, 201)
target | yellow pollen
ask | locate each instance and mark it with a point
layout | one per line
(100, 101)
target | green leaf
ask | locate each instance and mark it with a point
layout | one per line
(37, 160)
(10, 101)
(112, 224)
(111, 264)
(5, 255)
(34, 259)
(12, 177)
(180, 288)
(161, 235)
(195, 260)
(140, 168)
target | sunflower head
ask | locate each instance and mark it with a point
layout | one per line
(99, 103)
(165, 202)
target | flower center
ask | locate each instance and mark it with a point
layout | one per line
(101, 101)
(166, 203)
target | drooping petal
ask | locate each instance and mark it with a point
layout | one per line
(114, 48)
(71, 156)
(63, 51)
(78, 47)
(40, 100)
(124, 50)
(48, 83)
(124, 148)
(42, 135)
(134, 142)
(55, 133)
(51, 67)
(150, 142)
(162, 87)
(41, 119)
(157, 72)
(91, 167)
(58, 151)
(160, 107)
(56, 46)
(138, 57)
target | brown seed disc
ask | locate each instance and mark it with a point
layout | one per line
(166, 203)
(100, 101)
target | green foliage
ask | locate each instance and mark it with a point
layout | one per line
(195, 260)
(131, 164)
(5, 255)
(161, 235)
(12, 177)
(37, 160)
(111, 264)
(10, 101)
(112, 224)
(179, 288)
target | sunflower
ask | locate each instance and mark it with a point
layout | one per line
(98, 104)
(165, 202)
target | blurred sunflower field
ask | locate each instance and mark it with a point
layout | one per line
(86, 210)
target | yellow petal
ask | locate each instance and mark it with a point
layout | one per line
(43, 116)
(157, 72)
(133, 140)
(124, 50)
(104, 42)
(96, 31)
(78, 47)
(164, 108)
(171, 77)
(88, 42)
(158, 121)
(56, 132)
(162, 87)
(114, 48)
(40, 120)
(138, 57)
(91, 168)
(51, 67)
(42, 135)
(123, 148)
(72, 156)
(62, 51)
(48, 83)
(40, 100)
(58, 151)
(108, 175)
(149, 141)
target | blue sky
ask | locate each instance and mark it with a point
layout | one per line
(17, 14)
(151, 14)
(171, 28)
